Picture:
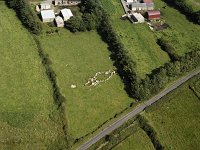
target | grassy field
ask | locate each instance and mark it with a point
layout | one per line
(184, 34)
(76, 58)
(138, 141)
(176, 119)
(138, 39)
(25, 97)
(195, 4)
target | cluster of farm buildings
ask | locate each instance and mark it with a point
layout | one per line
(47, 12)
(138, 10)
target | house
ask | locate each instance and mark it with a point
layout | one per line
(47, 15)
(45, 5)
(137, 17)
(141, 6)
(59, 21)
(153, 14)
(66, 14)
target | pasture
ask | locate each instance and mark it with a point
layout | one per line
(176, 118)
(138, 39)
(183, 34)
(25, 97)
(76, 58)
(138, 141)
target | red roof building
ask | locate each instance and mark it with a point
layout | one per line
(147, 1)
(153, 14)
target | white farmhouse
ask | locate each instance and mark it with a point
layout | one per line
(66, 14)
(47, 15)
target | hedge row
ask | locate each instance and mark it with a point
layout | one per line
(143, 123)
(59, 99)
(186, 9)
(27, 16)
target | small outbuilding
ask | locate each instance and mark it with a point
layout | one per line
(138, 18)
(45, 5)
(47, 15)
(59, 21)
(153, 14)
(66, 14)
(141, 6)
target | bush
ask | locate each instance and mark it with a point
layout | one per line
(75, 24)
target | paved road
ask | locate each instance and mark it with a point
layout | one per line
(137, 110)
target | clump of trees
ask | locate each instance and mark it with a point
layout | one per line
(26, 15)
(186, 9)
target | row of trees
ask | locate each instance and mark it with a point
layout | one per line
(27, 16)
(186, 9)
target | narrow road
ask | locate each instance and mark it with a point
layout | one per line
(137, 110)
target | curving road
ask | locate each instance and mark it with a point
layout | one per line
(137, 110)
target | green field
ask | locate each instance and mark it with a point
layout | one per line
(138, 141)
(138, 39)
(184, 34)
(25, 97)
(76, 58)
(176, 118)
(194, 3)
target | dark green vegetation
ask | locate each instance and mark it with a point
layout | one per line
(26, 94)
(176, 118)
(27, 16)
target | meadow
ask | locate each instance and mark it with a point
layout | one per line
(194, 3)
(138, 39)
(76, 58)
(176, 118)
(183, 34)
(25, 97)
(138, 141)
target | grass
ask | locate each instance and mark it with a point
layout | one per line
(138, 141)
(138, 39)
(176, 119)
(184, 34)
(25, 97)
(76, 58)
(194, 3)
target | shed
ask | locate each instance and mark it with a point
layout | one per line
(66, 14)
(59, 21)
(47, 15)
(153, 14)
(45, 5)
(142, 6)
(137, 17)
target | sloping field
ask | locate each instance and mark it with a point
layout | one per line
(184, 34)
(25, 97)
(138, 39)
(176, 119)
(195, 4)
(76, 58)
(138, 141)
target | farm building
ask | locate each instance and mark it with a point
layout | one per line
(137, 17)
(153, 14)
(66, 14)
(59, 21)
(47, 15)
(60, 2)
(142, 6)
(45, 5)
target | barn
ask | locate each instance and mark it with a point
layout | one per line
(66, 14)
(153, 14)
(47, 15)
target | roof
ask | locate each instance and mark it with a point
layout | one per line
(139, 5)
(139, 17)
(46, 14)
(59, 19)
(148, 1)
(66, 12)
(153, 12)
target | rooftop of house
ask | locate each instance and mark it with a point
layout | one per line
(47, 14)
